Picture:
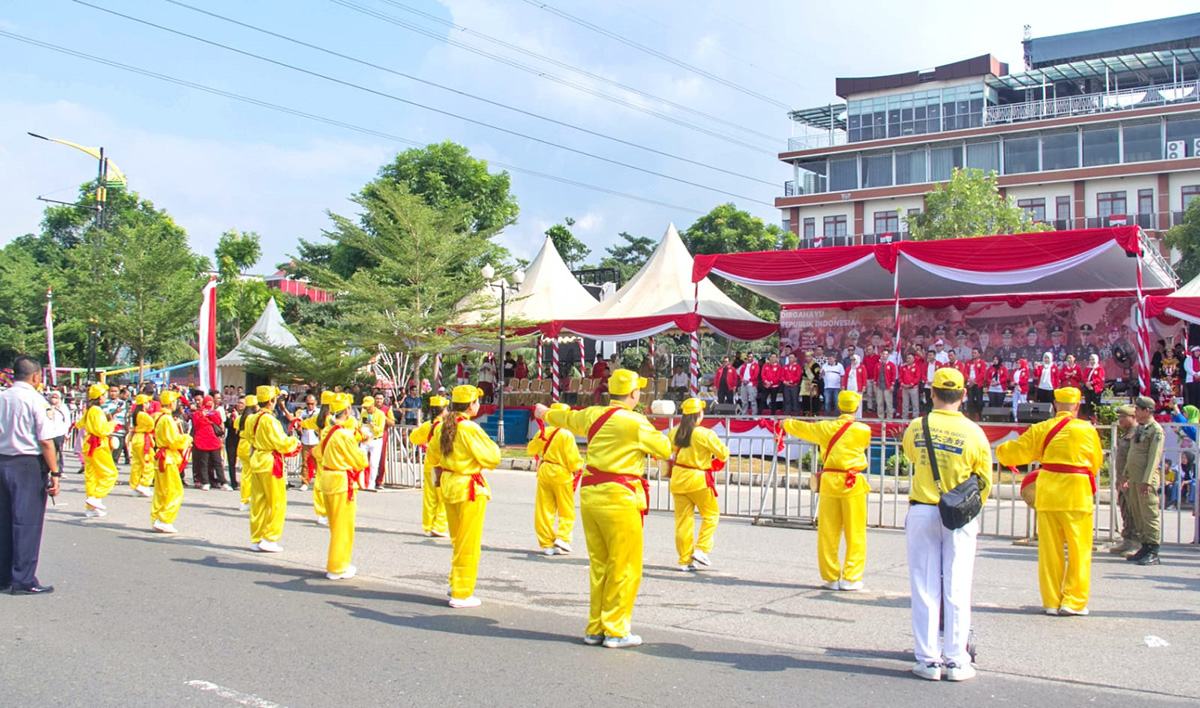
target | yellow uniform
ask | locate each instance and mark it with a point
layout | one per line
(310, 423)
(842, 493)
(559, 464)
(466, 493)
(171, 445)
(268, 499)
(433, 508)
(690, 486)
(341, 462)
(611, 502)
(373, 428)
(99, 470)
(1064, 505)
(244, 449)
(141, 452)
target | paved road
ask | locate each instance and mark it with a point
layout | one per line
(146, 620)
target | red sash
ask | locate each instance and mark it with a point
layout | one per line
(93, 442)
(629, 481)
(851, 475)
(600, 422)
(1065, 469)
(709, 480)
(310, 467)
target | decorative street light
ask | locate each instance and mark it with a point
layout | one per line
(518, 277)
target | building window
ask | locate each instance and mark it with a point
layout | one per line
(1035, 207)
(1143, 142)
(1060, 151)
(1186, 130)
(943, 161)
(1101, 146)
(887, 222)
(984, 156)
(1062, 210)
(1020, 155)
(1110, 204)
(810, 229)
(910, 167)
(835, 226)
(843, 174)
(1189, 193)
(1145, 201)
(877, 170)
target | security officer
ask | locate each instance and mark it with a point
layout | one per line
(1142, 480)
(28, 473)
(1125, 425)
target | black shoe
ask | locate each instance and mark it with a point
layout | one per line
(1141, 553)
(35, 590)
(1151, 557)
(5, 588)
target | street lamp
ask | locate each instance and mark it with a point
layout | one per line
(518, 277)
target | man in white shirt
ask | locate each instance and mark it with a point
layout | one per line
(309, 438)
(680, 381)
(940, 355)
(60, 420)
(832, 373)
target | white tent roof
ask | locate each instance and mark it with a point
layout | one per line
(548, 293)
(270, 327)
(1189, 289)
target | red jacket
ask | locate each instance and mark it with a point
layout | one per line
(1071, 376)
(792, 374)
(1036, 381)
(1000, 374)
(861, 382)
(753, 368)
(1020, 378)
(730, 375)
(890, 372)
(1095, 379)
(203, 435)
(521, 370)
(910, 374)
(871, 363)
(976, 373)
(771, 375)
(958, 364)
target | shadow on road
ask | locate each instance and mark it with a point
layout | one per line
(743, 661)
(472, 625)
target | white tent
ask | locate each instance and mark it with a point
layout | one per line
(662, 297)
(270, 327)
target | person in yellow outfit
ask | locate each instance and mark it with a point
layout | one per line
(462, 451)
(373, 427)
(99, 470)
(842, 491)
(341, 463)
(141, 447)
(613, 498)
(268, 497)
(171, 448)
(311, 423)
(559, 470)
(697, 453)
(245, 437)
(433, 508)
(1070, 453)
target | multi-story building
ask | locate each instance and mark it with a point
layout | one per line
(1102, 128)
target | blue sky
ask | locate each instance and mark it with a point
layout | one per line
(215, 163)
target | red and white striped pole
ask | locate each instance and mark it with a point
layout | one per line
(1143, 331)
(582, 355)
(694, 379)
(541, 342)
(555, 380)
(651, 348)
(437, 372)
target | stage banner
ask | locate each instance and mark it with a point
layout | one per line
(1061, 327)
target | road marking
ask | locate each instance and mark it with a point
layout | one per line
(246, 699)
(1155, 642)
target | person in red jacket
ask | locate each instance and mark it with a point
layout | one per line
(975, 374)
(996, 381)
(772, 380)
(910, 386)
(1045, 380)
(748, 385)
(521, 371)
(883, 383)
(870, 362)
(792, 372)
(207, 431)
(1070, 374)
(725, 381)
(1094, 378)
(953, 362)
(1020, 382)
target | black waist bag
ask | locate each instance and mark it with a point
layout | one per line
(961, 504)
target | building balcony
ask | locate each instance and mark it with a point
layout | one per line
(854, 240)
(1145, 221)
(1124, 99)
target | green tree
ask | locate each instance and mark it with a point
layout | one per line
(630, 256)
(239, 300)
(970, 205)
(1185, 237)
(322, 360)
(23, 286)
(572, 250)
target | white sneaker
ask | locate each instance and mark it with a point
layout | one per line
(304, 487)
(441, 534)
(164, 528)
(206, 487)
(243, 507)
(463, 603)
(96, 503)
(350, 572)
(1052, 611)
(687, 568)
(270, 547)
(428, 534)
(1074, 613)
(549, 551)
(954, 672)
(562, 546)
(701, 557)
(94, 513)
(856, 585)
(226, 488)
(629, 640)
(322, 521)
(833, 585)
(929, 672)
(145, 491)
(593, 640)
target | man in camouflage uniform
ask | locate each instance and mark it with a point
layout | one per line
(1125, 425)
(1142, 480)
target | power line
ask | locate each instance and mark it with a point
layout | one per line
(551, 77)
(318, 118)
(398, 99)
(655, 53)
(583, 72)
(459, 92)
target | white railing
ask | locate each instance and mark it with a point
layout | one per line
(816, 141)
(1092, 103)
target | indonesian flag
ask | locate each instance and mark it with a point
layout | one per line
(50, 337)
(208, 336)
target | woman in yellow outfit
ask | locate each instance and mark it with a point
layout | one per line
(268, 497)
(433, 508)
(341, 462)
(141, 447)
(462, 451)
(171, 447)
(244, 448)
(99, 470)
(842, 491)
(559, 470)
(697, 452)
(312, 423)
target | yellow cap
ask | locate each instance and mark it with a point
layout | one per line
(327, 397)
(251, 400)
(339, 404)
(465, 394)
(438, 402)
(168, 397)
(1070, 394)
(97, 390)
(848, 401)
(559, 407)
(949, 378)
(141, 399)
(347, 397)
(368, 402)
(692, 405)
(265, 393)
(623, 381)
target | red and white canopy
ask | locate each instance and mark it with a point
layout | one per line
(1088, 263)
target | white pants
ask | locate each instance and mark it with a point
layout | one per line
(749, 399)
(941, 564)
(1019, 397)
(374, 451)
(910, 398)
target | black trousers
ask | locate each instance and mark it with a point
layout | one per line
(231, 444)
(975, 400)
(22, 513)
(207, 467)
(1191, 393)
(724, 395)
(791, 400)
(1043, 395)
(995, 400)
(772, 400)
